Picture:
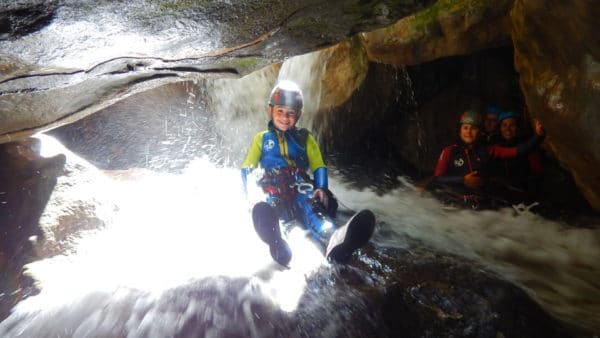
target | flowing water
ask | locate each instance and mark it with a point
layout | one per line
(137, 277)
(134, 277)
(172, 230)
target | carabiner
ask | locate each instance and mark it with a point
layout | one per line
(304, 187)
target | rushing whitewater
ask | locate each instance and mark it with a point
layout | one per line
(180, 248)
(173, 230)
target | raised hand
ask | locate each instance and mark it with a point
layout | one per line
(537, 127)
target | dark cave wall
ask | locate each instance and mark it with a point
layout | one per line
(557, 55)
(410, 113)
(445, 88)
(399, 119)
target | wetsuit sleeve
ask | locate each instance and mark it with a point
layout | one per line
(316, 163)
(315, 159)
(442, 164)
(252, 159)
(321, 181)
(528, 145)
(442, 167)
(448, 179)
(245, 172)
(536, 165)
(254, 152)
(498, 151)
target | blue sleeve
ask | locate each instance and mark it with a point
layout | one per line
(245, 172)
(321, 178)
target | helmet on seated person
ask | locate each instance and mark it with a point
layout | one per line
(506, 114)
(471, 117)
(288, 94)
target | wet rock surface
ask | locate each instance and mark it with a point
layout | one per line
(161, 40)
(414, 292)
(27, 182)
(45, 205)
(436, 296)
(558, 67)
(19, 18)
(447, 28)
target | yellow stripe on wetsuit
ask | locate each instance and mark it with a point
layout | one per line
(283, 148)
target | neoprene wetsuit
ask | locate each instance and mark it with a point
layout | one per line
(286, 158)
(459, 159)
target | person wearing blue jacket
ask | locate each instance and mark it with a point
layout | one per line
(288, 155)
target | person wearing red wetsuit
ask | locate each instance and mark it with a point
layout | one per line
(521, 174)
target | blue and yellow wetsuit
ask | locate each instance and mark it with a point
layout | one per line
(286, 158)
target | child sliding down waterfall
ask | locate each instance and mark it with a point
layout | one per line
(287, 153)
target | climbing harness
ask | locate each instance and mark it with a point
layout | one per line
(286, 183)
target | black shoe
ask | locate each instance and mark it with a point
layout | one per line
(353, 235)
(266, 224)
(281, 252)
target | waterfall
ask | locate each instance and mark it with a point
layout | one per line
(240, 104)
(421, 149)
(179, 255)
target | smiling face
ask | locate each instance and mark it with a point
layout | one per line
(468, 133)
(508, 128)
(283, 117)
